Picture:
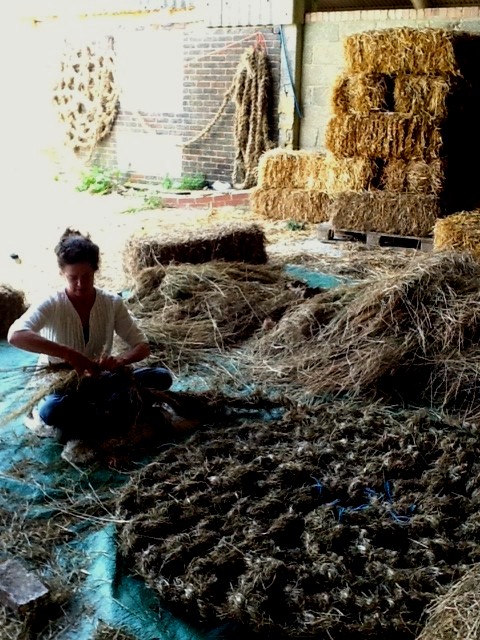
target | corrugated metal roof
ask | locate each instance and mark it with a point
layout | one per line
(345, 5)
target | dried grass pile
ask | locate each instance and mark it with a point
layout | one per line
(455, 615)
(411, 336)
(12, 305)
(339, 521)
(233, 242)
(190, 311)
(298, 205)
(406, 214)
(460, 232)
(404, 103)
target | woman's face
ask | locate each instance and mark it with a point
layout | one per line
(80, 279)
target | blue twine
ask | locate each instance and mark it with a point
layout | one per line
(370, 494)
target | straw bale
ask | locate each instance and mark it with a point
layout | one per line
(403, 50)
(12, 305)
(281, 168)
(398, 214)
(420, 94)
(458, 232)
(416, 176)
(349, 174)
(455, 615)
(361, 93)
(229, 242)
(299, 205)
(384, 136)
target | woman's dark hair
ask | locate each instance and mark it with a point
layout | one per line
(73, 247)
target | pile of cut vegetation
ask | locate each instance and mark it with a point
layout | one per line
(189, 311)
(342, 520)
(411, 336)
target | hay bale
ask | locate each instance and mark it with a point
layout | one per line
(384, 136)
(228, 242)
(299, 205)
(362, 93)
(416, 176)
(281, 168)
(399, 214)
(458, 232)
(404, 50)
(12, 305)
(349, 174)
(455, 615)
(421, 94)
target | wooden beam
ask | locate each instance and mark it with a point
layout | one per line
(420, 4)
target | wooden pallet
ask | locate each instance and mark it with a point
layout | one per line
(326, 233)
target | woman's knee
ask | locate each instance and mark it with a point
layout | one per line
(157, 378)
(53, 409)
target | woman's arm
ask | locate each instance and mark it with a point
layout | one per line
(30, 341)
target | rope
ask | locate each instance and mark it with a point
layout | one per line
(249, 91)
(86, 95)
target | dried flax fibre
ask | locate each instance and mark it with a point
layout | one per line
(230, 242)
(191, 313)
(338, 520)
(409, 337)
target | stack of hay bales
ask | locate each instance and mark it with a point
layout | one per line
(291, 186)
(390, 112)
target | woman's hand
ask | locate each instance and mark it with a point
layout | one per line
(110, 363)
(81, 363)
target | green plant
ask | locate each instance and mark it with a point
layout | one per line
(293, 225)
(188, 183)
(151, 200)
(192, 183)
(100, 180)
(167, 182)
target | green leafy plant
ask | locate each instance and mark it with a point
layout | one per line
(100, 180)
(188, 183)
(293, 225)
(151, 200)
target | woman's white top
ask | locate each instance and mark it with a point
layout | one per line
(56, 319)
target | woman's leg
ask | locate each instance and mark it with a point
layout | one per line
(56, 409)
(157, 378)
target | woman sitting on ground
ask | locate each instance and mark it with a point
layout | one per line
(75, 327)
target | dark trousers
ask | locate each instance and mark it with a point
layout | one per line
(106, 406)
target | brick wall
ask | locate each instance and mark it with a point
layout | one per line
(323, 57)
(203, 61)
